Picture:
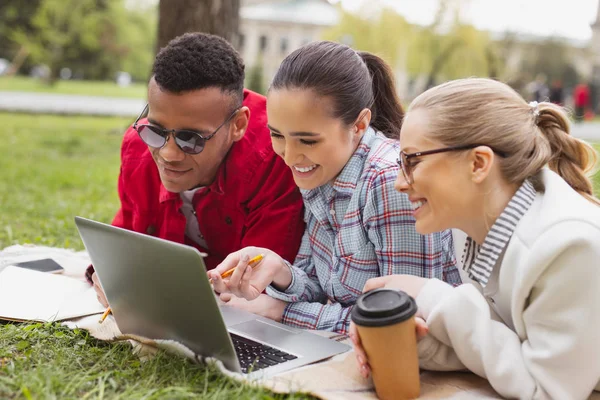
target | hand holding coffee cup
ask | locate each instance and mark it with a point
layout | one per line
(385, 328)
(361, 357)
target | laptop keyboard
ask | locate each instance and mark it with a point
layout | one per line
(254, 356)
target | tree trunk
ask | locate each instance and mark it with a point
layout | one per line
(17, 61)
(219, 17)
(439, 61)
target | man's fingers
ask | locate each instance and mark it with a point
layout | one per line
(102, 300)
(375, 283)
(99, 292)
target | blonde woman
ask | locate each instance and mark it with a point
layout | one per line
(475, 156)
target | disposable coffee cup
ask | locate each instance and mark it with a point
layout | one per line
(385, 322)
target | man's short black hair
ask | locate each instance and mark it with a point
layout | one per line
(197, 60)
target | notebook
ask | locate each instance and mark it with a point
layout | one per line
(27, 295)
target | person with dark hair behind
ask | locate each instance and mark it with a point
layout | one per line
(557, 94)
(335, 119)
(197, 166)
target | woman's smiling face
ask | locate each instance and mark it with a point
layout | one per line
(315, 145)
(442, 190)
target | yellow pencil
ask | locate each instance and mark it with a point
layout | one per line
(251, 263)
(108, 311)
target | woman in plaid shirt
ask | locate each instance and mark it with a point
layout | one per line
(335, 119)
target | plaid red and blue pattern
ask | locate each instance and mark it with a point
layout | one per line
(359, 228)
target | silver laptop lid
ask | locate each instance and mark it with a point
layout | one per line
(158, 289)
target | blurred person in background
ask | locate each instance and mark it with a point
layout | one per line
(581, 100)
(539, 89)
(557, 93)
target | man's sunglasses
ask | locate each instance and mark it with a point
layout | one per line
(407, 168)
(188, 141)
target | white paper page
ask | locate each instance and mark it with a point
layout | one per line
(74, 263)
(40, 296)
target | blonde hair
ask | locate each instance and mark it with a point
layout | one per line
(484, 111)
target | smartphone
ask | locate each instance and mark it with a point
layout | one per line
(43, 265)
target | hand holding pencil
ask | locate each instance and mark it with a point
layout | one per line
(251, 263)
(246, 273)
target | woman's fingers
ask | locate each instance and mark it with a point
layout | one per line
(234, 281)
(248, 292)
(238, 272)
(219, 284)
(228, 263)
(375, 283)
(225, 297)
(361, 356)
(421, 327)
(238, 283)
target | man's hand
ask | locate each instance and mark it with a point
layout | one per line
(264, 305)
(247, 281)
(99, 292)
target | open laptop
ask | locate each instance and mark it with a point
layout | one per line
(160, 290)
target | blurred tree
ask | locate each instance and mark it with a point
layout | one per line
(466, 52)
(386, 34)
(553, 58)
(139, 37)
(445, 49)
(255, 78)
(94, 38)
(449, 48)
(219, 17)
(15, 14)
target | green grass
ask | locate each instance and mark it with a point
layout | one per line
(86, 88)
(48, 361)
(53, 168)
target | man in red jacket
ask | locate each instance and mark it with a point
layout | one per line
(200, 168)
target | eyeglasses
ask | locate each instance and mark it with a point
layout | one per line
(190, 142)
(407, 168)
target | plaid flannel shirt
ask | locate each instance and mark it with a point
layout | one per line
(359, 228)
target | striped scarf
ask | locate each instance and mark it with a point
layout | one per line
(479, 260)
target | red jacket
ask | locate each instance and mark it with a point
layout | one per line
(252, 202)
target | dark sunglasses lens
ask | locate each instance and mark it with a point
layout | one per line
(152, 136)
(189, 142)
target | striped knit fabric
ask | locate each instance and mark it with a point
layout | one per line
(479, 260)
(358, 228)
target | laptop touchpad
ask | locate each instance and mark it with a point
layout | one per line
(264, 331)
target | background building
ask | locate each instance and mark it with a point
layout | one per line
(270, 30)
